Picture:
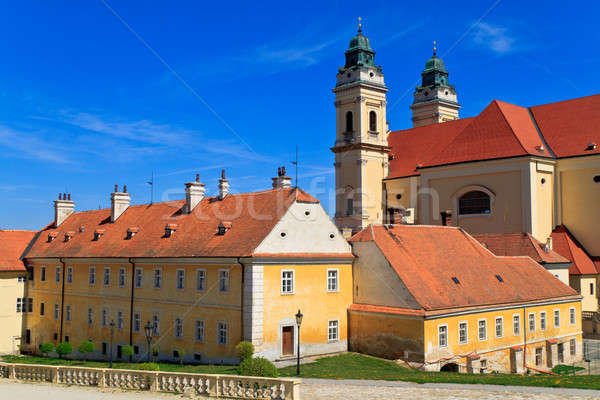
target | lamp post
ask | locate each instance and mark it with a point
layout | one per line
(112, 334)
(298, 322)
(148, 331)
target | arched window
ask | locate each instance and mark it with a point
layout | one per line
(349, 127)
(474, 202)
(373, 121)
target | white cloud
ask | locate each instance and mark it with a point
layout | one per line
(494, 38)
(22, 144)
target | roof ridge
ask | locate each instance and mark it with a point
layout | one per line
(509, 124)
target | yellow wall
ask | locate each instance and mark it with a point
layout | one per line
(10, 321)
(408, 190)
(543, 205)
(582, 283)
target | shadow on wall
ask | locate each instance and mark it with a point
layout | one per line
(388, 346)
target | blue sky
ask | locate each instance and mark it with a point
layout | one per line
(94, 93)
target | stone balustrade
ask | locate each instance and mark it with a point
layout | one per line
(222, 386)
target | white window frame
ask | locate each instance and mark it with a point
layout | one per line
(156, 324)
(139, 277)
(178, 328)
(224, 275)
(336, 280)
(572, 316)
(56, 312)
(220, 325)
(335, 328)
(179, 279)
(92, 276)
(572, 347)
(199, 326)
(292, 282)
(485, 329)
(531, 320)
(501, 319)
(157, 284)
(543, 321)
(122, 277)
(104, 317)
(57, 273)
(20, 305)
(445, 328)
(556, 313)
(90, 316)
(466, 323)
(137, 322)
(516, 332)
(69, 275)
(120, 320)
(106, 282)
(201, 272)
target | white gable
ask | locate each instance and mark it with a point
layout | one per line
(304, 228)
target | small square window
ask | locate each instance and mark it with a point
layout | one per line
(333, 330)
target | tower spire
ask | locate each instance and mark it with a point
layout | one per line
(359, 24)
(434, 48)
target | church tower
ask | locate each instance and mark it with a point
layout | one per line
(435, 100)
(361, 150)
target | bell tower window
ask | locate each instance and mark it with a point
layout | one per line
(349, 125)
(373, 121)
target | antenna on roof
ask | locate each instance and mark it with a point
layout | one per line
(296, 164)
(151, 183)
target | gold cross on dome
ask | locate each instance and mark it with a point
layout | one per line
(359, 24)
(434, 47)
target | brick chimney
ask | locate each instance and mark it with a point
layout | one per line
(194, 193)
(63, 207)
(223, 186)
(446, 217)
(119, 201)
(281, 181)
(396, 216)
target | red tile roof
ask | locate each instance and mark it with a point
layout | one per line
(253, 216)
(519, 244)
(501, 130)
(385, 309)
(13, 245)
(566, 245)
(427, 258)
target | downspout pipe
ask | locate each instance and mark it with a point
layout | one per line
(62, 298)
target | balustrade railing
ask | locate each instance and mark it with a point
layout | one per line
(223, 386)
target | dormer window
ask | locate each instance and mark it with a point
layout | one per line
(98, 233)
(132, 231)
(170, 229)
(224, 226)
(69, 235)
(52, 236)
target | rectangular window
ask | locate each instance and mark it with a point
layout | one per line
(443, 335)
(69, 274)
(122, 277)
(482, 329)
(223, 280)
(155, 325)
(138, 277)
(572, 315)
(287, 282)
(499, 327)
(332, 280)
(539, 357)
(349, 206)
(90, 316)
(333, 328)
(68, 313)
(43, 274)
(180, 279)
(21, 279)
(137, 322)
(104, 317)
(57, 274)
(556, 318)
(516, 325)
(463, 337)
(92, 276)
(531, 322)
(104, 348)
(178, 328)
(56, 312)
(200, 279)
(591, 289)
(543, 320)
(19, 305)
(120, 322)
(222, 333)
(200, 331)
(30, 305)
(42, 308)
(573, 346)
(106, 280)
(157, 278)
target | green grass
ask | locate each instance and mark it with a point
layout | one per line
(167, 367)
(358, 366)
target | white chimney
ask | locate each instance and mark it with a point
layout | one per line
(223, 186)
(548, 245)
(63, 207)
(281, 181)
(194, 193)
(119, 201)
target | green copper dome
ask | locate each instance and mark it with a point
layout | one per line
(360, 53)
(360, 42)
(435, 74)
(435, 63)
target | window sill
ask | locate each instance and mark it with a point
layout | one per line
(288, 294)
(461, 216)
(332, 291)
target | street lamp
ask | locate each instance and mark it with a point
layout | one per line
(112, 334)
(148, 331)
(298, 322)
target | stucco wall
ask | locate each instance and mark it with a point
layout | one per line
(10, 321)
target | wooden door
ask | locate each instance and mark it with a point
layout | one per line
(287, 340)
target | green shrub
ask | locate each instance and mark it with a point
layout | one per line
(87, 346)
(127, 350)
(46, 348)
(182, 354)
(258, 367)
(64, 349)
(149, 366)
(244, 350)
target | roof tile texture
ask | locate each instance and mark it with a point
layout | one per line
(13, 245)
(519, 244)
